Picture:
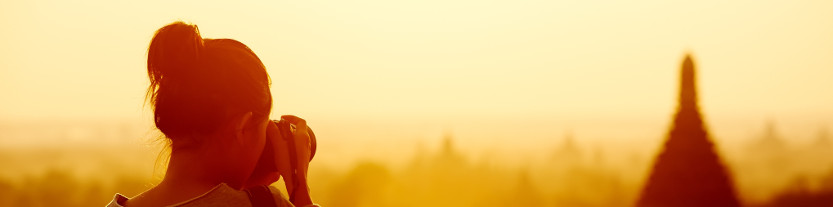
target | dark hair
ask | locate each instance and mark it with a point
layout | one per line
(197, 85)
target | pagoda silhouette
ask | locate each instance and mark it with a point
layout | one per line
(688, 171)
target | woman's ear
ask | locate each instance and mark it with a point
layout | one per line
(239, 125)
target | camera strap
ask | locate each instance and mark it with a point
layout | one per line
(261, 196)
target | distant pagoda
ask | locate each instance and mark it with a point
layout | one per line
(688, 171)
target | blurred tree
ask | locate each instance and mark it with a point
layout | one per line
(367, 184)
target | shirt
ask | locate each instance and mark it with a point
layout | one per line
(220, 195)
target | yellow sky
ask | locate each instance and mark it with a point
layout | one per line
(464, 65)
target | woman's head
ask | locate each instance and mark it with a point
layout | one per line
(207, 91)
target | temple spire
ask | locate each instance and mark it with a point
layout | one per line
(688, 87)
(688, 171)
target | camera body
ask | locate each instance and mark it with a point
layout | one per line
(266, 167)
(287, 131)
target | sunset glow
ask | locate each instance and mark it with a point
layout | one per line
(503, 85)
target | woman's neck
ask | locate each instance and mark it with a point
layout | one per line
(189, 175)
(191, 167)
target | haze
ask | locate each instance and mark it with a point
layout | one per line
(481, 70)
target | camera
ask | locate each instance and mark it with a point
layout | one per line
(287, 131)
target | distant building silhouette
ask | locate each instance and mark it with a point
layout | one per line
(448, 154)
(688, 171)
(446, 157)
(771, 142)
(823, 139)
(568, 152)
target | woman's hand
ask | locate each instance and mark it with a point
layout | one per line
(276, 160)
(294, 178)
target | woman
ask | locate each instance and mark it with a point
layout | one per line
(211, 99)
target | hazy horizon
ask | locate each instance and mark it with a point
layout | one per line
(385, 82)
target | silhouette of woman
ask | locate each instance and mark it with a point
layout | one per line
(211, 99)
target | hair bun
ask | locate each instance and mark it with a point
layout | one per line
(174, 50)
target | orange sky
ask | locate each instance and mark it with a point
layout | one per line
(477, 68)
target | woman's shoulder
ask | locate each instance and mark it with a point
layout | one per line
(279, 197)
